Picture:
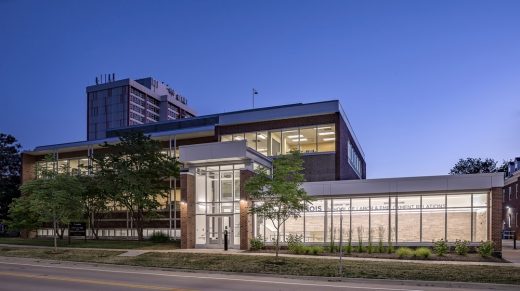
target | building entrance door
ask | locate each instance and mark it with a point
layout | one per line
(216, 225)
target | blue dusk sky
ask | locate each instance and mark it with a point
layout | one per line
(423, 83)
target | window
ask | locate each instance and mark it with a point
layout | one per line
(516, 192)
(321, 138)
(290, 140)
(509, 192)
(353, 158)
(326, 138)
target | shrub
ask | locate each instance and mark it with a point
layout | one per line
(381, 234)
(485, 249)
(294, 243)
(159, 237)
(316, 250)
(257, 243)
(347, 249)
(360, 239)
(461, 247)
(370, 249)
(423, 253)
(404, 252)
(440, 247)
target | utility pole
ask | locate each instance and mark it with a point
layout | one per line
(253, 93)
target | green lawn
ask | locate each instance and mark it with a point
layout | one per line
(102, 244)
(287, 266)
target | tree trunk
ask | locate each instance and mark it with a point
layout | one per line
(93, 226)
(139, 224)
(277, 241)
(55, 225)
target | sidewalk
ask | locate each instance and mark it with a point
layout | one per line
(134, 253)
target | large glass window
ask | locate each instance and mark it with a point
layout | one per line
(290, 140)
(308, 139)
(433, 217)
(275, 139)
(251, 139)
(408, 219)
(326, 138)
(261, 142)
(405, 219)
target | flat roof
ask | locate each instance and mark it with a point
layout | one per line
(205, 124)
(404, 185)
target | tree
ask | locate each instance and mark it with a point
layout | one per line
(474, 166)
(54, 197)
(9, 172)
(21, 215)
(134, 172)
(279, 196)
(95, 202)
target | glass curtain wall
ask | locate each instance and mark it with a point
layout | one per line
(401, 219)
(309, 139)
(217, 192)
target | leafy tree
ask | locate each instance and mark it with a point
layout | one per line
(504, 167)
(9, 172)
(21, 215)
(55, 197)
(474, 166)
(134, 172)
(280, 196)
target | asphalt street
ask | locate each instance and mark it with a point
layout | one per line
(42, 275)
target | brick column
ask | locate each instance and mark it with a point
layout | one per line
(28, 168)
(246, 218)
(187, 210)
(496, 220)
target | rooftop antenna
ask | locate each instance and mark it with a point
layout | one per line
(97, 81)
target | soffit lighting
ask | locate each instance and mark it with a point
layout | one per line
(294, 136)
(329, 139)
(327, 133)
(262, 136)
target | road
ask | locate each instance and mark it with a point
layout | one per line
(42, 275)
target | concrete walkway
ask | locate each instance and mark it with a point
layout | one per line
(511, 254)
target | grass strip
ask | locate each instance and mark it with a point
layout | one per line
(286, 266)
(102, 244)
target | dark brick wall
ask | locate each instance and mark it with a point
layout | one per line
(246, 219)
(343, 169)
(319, 167)
(276, 124)
(496, 219)
(187, 211)
(511, 204)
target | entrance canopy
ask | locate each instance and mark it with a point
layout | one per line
(219, 152)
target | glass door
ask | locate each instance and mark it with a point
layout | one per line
(216, 225)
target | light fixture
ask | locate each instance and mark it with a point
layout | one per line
(327, 133)
(238, 138)
(262, 136)
(303, 139)
(294, 136)
(329, 138)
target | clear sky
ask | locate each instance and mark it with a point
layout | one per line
(424, 83)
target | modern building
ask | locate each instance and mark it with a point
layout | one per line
(115, 103)
(220, 152)
(511, 199)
